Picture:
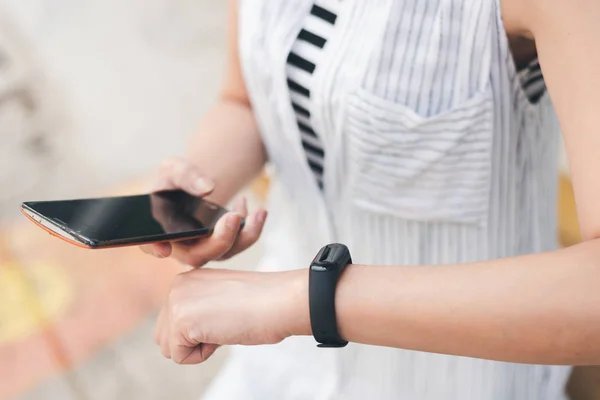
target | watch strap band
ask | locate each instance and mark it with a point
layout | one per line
(325, 271)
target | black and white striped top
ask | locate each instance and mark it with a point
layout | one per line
(303, 60)
(301, 63)
(532, 80)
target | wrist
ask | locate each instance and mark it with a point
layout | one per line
(343, 298)
(298, 310)
(298, 320)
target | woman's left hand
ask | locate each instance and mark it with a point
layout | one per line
(211, 307)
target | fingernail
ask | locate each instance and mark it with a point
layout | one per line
(202, 185)
(261, 216)
(233, 222)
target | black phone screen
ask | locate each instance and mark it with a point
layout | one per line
(166, 215)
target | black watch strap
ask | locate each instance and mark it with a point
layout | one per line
(325, 271)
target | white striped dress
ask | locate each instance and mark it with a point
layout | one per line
(304, 57)
(434, 151)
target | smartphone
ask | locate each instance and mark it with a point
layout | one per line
(107, 222)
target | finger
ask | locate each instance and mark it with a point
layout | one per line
(158, 328)
(188, 177)
(164, 334)
(241, 207)
(250, 234)
(159, 250)
(214, 246)
(165, 349)
(163, 181)
(181, 174)
(195, 355)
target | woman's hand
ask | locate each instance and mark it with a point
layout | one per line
(226, 240)
(210, 307)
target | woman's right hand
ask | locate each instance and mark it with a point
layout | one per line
(226, 240)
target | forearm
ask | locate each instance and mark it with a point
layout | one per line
(228, 148)
(542, 309)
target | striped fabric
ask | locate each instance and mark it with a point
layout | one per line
(304, 58)
(301, 64)
(532, 80)
(437, 152)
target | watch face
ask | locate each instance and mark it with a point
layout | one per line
(331, 256)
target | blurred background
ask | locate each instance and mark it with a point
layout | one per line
(93, 95)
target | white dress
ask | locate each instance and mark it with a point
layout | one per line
(433, 155)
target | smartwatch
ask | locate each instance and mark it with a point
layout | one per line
(325, 270)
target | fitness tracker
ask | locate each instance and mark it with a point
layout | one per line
(325, 271)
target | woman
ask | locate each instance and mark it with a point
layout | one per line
(417, 133)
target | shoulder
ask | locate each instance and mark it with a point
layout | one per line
(528, 17)
(515, 17)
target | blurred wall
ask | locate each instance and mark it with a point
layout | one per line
(115, 87)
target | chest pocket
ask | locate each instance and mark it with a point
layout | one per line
(435, 169)
(419, 127)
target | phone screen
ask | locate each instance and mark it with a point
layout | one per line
(166, 215)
